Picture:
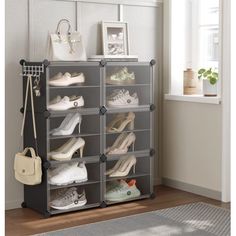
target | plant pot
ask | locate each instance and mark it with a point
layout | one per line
(209, 89)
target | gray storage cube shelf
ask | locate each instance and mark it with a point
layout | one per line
(96, 115)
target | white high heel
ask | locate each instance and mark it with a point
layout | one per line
(120, 122)
(63, 123)
(62, 148)
(69, 127)
(79, 143)
(125, 167)
(122, 148)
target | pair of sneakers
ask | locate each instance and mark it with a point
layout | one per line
(66, 174)
(122, 98)
(118, 191)
(64, 199)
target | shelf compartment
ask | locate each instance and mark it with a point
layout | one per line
(144, 188)
(93, 170)
(90, 95)
(142, 141)
(90, 126)
(91, 148)
(93, 197)
(141, 71)
(91, 72)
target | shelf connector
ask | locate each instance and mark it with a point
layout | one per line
(103, 158)
(152, 62)
(103, 110)
(103, 204)
(22, 110)
(152, 152)
(152, 107)
(46, 114)
(46, 165)
(103, 62)
(46, 63)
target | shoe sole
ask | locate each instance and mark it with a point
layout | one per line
(73, 205)
(71, 182)
(123, 199)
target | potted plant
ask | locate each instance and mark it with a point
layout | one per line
(210, 78)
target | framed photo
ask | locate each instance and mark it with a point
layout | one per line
(115, 38)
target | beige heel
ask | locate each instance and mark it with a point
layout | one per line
(81, 150)
(133, 146)
(134, 168)
(79, 127)
(131, 125)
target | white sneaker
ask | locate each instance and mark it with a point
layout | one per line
(68, 125)
(67, 103)
(73, 173)
(123, 99)
(67, 154)
(67, 79)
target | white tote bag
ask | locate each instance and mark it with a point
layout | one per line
(66, 46)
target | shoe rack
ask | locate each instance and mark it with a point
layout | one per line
(95, 117)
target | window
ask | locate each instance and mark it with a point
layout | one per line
(194, 39)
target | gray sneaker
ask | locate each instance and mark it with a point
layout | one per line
(70, 199)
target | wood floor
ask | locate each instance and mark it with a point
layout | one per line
(27, 222)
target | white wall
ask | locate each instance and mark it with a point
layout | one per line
(192, 144)
(145, 23)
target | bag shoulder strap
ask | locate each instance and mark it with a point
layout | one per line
(29, 84)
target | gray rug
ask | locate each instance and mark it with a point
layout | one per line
(198, 219)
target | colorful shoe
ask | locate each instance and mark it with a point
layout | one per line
(123, 191)
(122, 77)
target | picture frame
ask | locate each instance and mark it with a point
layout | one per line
(115, 38)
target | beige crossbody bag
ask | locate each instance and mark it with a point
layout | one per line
(28, 169)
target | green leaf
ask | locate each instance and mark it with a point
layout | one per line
(201, 71)
(213, 80)
(215, 74)
(200, 76)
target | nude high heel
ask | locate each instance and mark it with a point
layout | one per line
(125, 168)
(122, 148)
(116, 167)
(119, 124)
(81, 150)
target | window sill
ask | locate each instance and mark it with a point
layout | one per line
(193, 98)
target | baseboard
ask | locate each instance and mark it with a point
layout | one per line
(192, 188)
(157, 181)
(13, 204)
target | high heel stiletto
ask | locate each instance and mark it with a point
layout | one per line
(125, 167)
(116, 167)
(69, 125)
(69, 152)
(123, 145)
(120, 122)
